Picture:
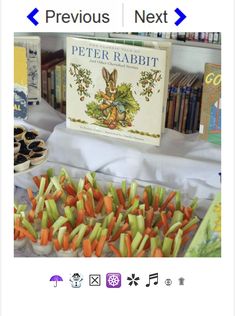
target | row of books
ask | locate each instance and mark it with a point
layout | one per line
(206, 37)
(184, 102)
(53, 74)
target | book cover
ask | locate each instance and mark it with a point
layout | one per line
(33, 52)
(210, 120)
(207, 240)
(116, 90)
(20, 82)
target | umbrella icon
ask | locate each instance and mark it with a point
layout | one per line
(56, 278)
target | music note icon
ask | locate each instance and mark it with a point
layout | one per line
(153, 276)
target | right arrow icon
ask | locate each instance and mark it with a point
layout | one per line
(181, 15)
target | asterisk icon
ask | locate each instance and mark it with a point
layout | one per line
(133, 280)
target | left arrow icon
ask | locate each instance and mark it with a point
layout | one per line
(31, 15)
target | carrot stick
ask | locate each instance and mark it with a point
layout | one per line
(30, 194)
(87, 186)
(68, 226)
(66, 241)
(80, 217)
(50, 231)
(191, 228)
(26, 233)
(31, 215)
(171, 207)
(114, 250)
(36, 180)
(110, 227)
(108, 203)
(57, 195)
(169, 214)
(119, 210)
(146, 200)
(120, 231)
(97, 194)
(120, 196)
(94, 244)
(16, 234)
(140, 254)
(100, 246)
(128, 244)
(73, 243)
(185, 222)
(80, 196)
(149, 218)
(56, 244)
(167, 201)
(99, 205)
(44, 236)
(87, 250)
(70, 189)
(158, 253)
(71, 200)
(89, 208)
(188, 212)
(156, 203)
(62, 178)
(21, 235)
(34, 203)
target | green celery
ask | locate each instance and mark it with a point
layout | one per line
(80, 205)
(153, 245)
(92, 197)
(194, 203)
(48, 189)
(42, 186)
(104, 232)
(140, 224)
(161, 195)
(70, 215)
(114, 195)
(193, 221)
(48, 209)
(156, 218)
(29, 228)
(178, 201)
(54, 211)
(166, 247)
(81, 235)
(132, 219)
(149, 191)
(173, 228)
(21, 208)
(94, 232)
(44, 219)
(118, 223)
(177, 217)
(58, 187)
(109, 218)
(74, 232)
(142, 208)
(136, 242)
(122, 245)
(61, 233)
(159, 241)
(124, 188)
(58, 223)
(99, 232)
(90, 178)
(105, 222)
(133, 191)
(177, 243)
(132, 208)
(142, 244)
(50, 173)
(40, 205)
(80, 185)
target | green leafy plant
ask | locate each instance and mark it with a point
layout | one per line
(82, 80)
(148, 81)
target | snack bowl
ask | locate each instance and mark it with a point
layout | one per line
(37, 158)
(35, 143)
(20, 243)
(16, 147)
(18, 131)
(42, 250)
(29, 135)
(21, 162)
(67, 253)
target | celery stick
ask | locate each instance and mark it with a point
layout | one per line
(149, 191)
(136, 242)
(80, 185)
(166, 247)
(133, 224)
(54, 211)
(50, 173)
(21, 208)
(143, 242)
(193, 221)
(133, 191)
(92, 197)
(132, 208)
(29, 228)
(124, 188)
(80, 205)
(90, 178)
(104, 232)
(114, 195)
(140, 223)
(81, 235)
(142, 207)
(156, 218)
(48, 190)
(48, 209)
(173, 228)
(58, 187)
(94, 232)
(40, 205)
(64, 172)
(153, 245)
(99, 232)
(118, 223)
(122, 245)
(194, 203)
(177, 217)
(177, 243)
(91, 221)
(159, 241)
(93, 174)
(69, 214)
(105, 222)
(42, 186)
(44, 219)
(74, 232)
(61, 233)
(109, 218)
(161, 195)
(58, 223)
(178, 201)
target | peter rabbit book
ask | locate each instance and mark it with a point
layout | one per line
(33, 52)
(210, 121)
(207, 240)
(115, 89)
(20, 83)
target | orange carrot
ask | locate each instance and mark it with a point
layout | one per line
(128, 244)
(26, 233)
(188, 212)
(149, 218)
(70, 189)
(87, 186)
(80, 196)
(66, 241)
(50, 231)
(80, 216)
(94, 244)
(141, 253)
(120, 197)
(30, 194)
(31, 215)
(185, 222)
(71, 200)
(169, 214)
(167, 201)
(68, 226)
(191, 228)
(100, 246)
(146, 200)
(44, 236)
(89, 207)
(120, 231)
(36, 180)
(56, 244)
(110, 227)
(158, 253)
(57, 195)
(99, 205)
(108, 203)
(16, 234)
(87, 250)
(62, 178)
(73, 243)
(97, 194)
(114, 250)
(156, 203)
(21, 235)
(171, 207)
(119, 210)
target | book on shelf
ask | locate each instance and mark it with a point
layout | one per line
(20, 83)
(33, 53)
(207, 240)
(210, 120)
(116, 89)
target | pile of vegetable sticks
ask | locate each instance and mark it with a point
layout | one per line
(80, 216)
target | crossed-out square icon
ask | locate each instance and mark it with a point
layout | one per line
(94, 279)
